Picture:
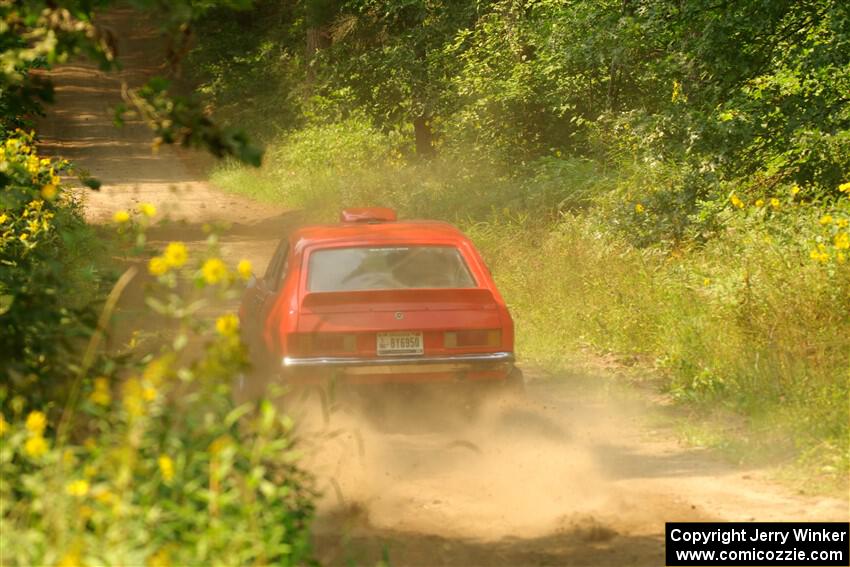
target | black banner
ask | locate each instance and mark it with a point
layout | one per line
(757, 543)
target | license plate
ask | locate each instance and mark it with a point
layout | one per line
(400, 343)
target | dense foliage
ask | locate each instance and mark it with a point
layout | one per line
(47, 283)
(36, 35)
(744, 91)
(147, 460)
(121, 443)
(136, 455)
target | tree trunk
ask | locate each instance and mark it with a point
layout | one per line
(317, 39)
(318, 16)
(424, 137)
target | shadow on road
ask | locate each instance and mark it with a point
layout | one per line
(582, 541)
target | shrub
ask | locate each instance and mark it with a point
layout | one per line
(149, 461)
(48, 283)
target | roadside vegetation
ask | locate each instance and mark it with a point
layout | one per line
(668, 182)
(124, 445)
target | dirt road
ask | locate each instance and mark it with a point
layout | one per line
(579, 474)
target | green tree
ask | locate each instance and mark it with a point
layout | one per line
(391, 57)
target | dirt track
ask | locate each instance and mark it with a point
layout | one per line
(573, 476)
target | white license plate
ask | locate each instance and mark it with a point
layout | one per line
(400, 343)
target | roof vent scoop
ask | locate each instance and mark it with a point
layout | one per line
(367, 215)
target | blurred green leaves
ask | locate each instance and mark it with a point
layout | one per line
(37, 35)
(743, 92)
(181, 120)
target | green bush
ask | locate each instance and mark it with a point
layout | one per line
(149, 461)
(48, 281)
(755, 321)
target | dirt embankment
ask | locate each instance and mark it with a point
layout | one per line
(573, 475)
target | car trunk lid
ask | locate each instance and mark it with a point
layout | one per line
(366, 314)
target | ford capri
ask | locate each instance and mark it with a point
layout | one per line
(375, 300)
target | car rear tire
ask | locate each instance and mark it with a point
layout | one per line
(253, 384)
(514, 385)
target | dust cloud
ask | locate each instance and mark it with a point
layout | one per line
(566, 474)
(506, 471)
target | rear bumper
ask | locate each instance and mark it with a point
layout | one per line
(410, 361)
(400, 369)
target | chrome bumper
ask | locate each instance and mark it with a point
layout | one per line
(438, 363)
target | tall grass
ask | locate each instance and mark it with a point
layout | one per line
(747, 320)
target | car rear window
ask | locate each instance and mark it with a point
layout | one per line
(398, 267)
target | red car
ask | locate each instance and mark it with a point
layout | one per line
(376, 300)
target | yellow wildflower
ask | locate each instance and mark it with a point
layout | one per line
(706, 281)
(819, 256)
(166, 467)
(842, 223)
(78, 488)
(49, 191)
(121, 217)
(133, 398)
(826, 219)
(736, 201)
(227, 325)
(845, 187)
(35, 446)
(244, 269)
(159, 559)
(175, 254)
(147, 209)
(842, 241)
(214, 271)
(4, 426)
(157, 266)
(221, 443)
(71, 559)
(101, 394)
(840, 258)
(774, 202)
(759, 202)
(105, 496)
(149, 393)
(156, 370)
(639, 208)
(795, 189)
(3, 218)
(36, 422)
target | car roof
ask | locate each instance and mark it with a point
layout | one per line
(408, 232)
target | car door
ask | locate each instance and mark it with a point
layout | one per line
(261, 293)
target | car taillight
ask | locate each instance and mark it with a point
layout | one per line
(325, 343)
(476, 338)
